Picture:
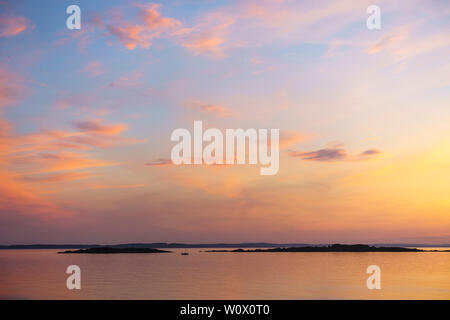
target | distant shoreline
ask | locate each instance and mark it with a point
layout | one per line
(151, 248)
(164, 245)
(334, 248)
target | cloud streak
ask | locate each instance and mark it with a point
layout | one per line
(11, 87)
(332, 154)
(215, 109)
(161, 162)
(11, 26)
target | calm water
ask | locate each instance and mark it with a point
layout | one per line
(40, 274)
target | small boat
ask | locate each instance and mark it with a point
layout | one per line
(184, 253)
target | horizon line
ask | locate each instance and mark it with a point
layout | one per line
(229, 244)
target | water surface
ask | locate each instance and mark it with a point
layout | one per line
(40, 274)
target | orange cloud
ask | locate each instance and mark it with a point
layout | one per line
(209, 35)
(206, 44)
(211, 108)
(90, 133)
(47, 151)
(30, 160)
(59, 161)
(32, 163)
(120, 186)
(153, 20)
(58, 177)
(17, 195)
(18, 198)
(11, 26)
(131, 36)
(100, 140)
(160, 162)
(152, 26)
(288, 138)
(97, 126)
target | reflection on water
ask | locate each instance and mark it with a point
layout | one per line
(40, 274)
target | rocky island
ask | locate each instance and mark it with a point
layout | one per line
(330, 248)
(100, 250)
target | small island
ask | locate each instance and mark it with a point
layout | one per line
(100, 250)
(330, 248)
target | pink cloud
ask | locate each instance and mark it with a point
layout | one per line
(90, 133)
(390, 40)
(207, 44)
(209, 35)
(11, 87)
(131, 36)
(94, 69)
(215, 109)
(153, 20)
(152, 25)
(131, 79)
(97, 126)
(11, 26)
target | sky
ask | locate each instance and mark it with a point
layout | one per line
(86, 118)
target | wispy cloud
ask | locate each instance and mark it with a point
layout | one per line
(94, 69)
(253, 23)
(209, 35)
(11, 87)
(215, 109)
(59, 161)
(406, 42)
(289, 137)
(117, 186)
(11, 26)
(151, 25)
(128, 80)
(160, 163)
(57, 177)
(370, 152)
(333, 153)
(321, 155)
(97, 126)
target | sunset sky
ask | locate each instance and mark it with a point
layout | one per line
(86, 117)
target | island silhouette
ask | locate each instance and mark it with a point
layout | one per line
(326, 248)
(329, 248)
(109, 250)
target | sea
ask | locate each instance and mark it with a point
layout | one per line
(41, 274)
